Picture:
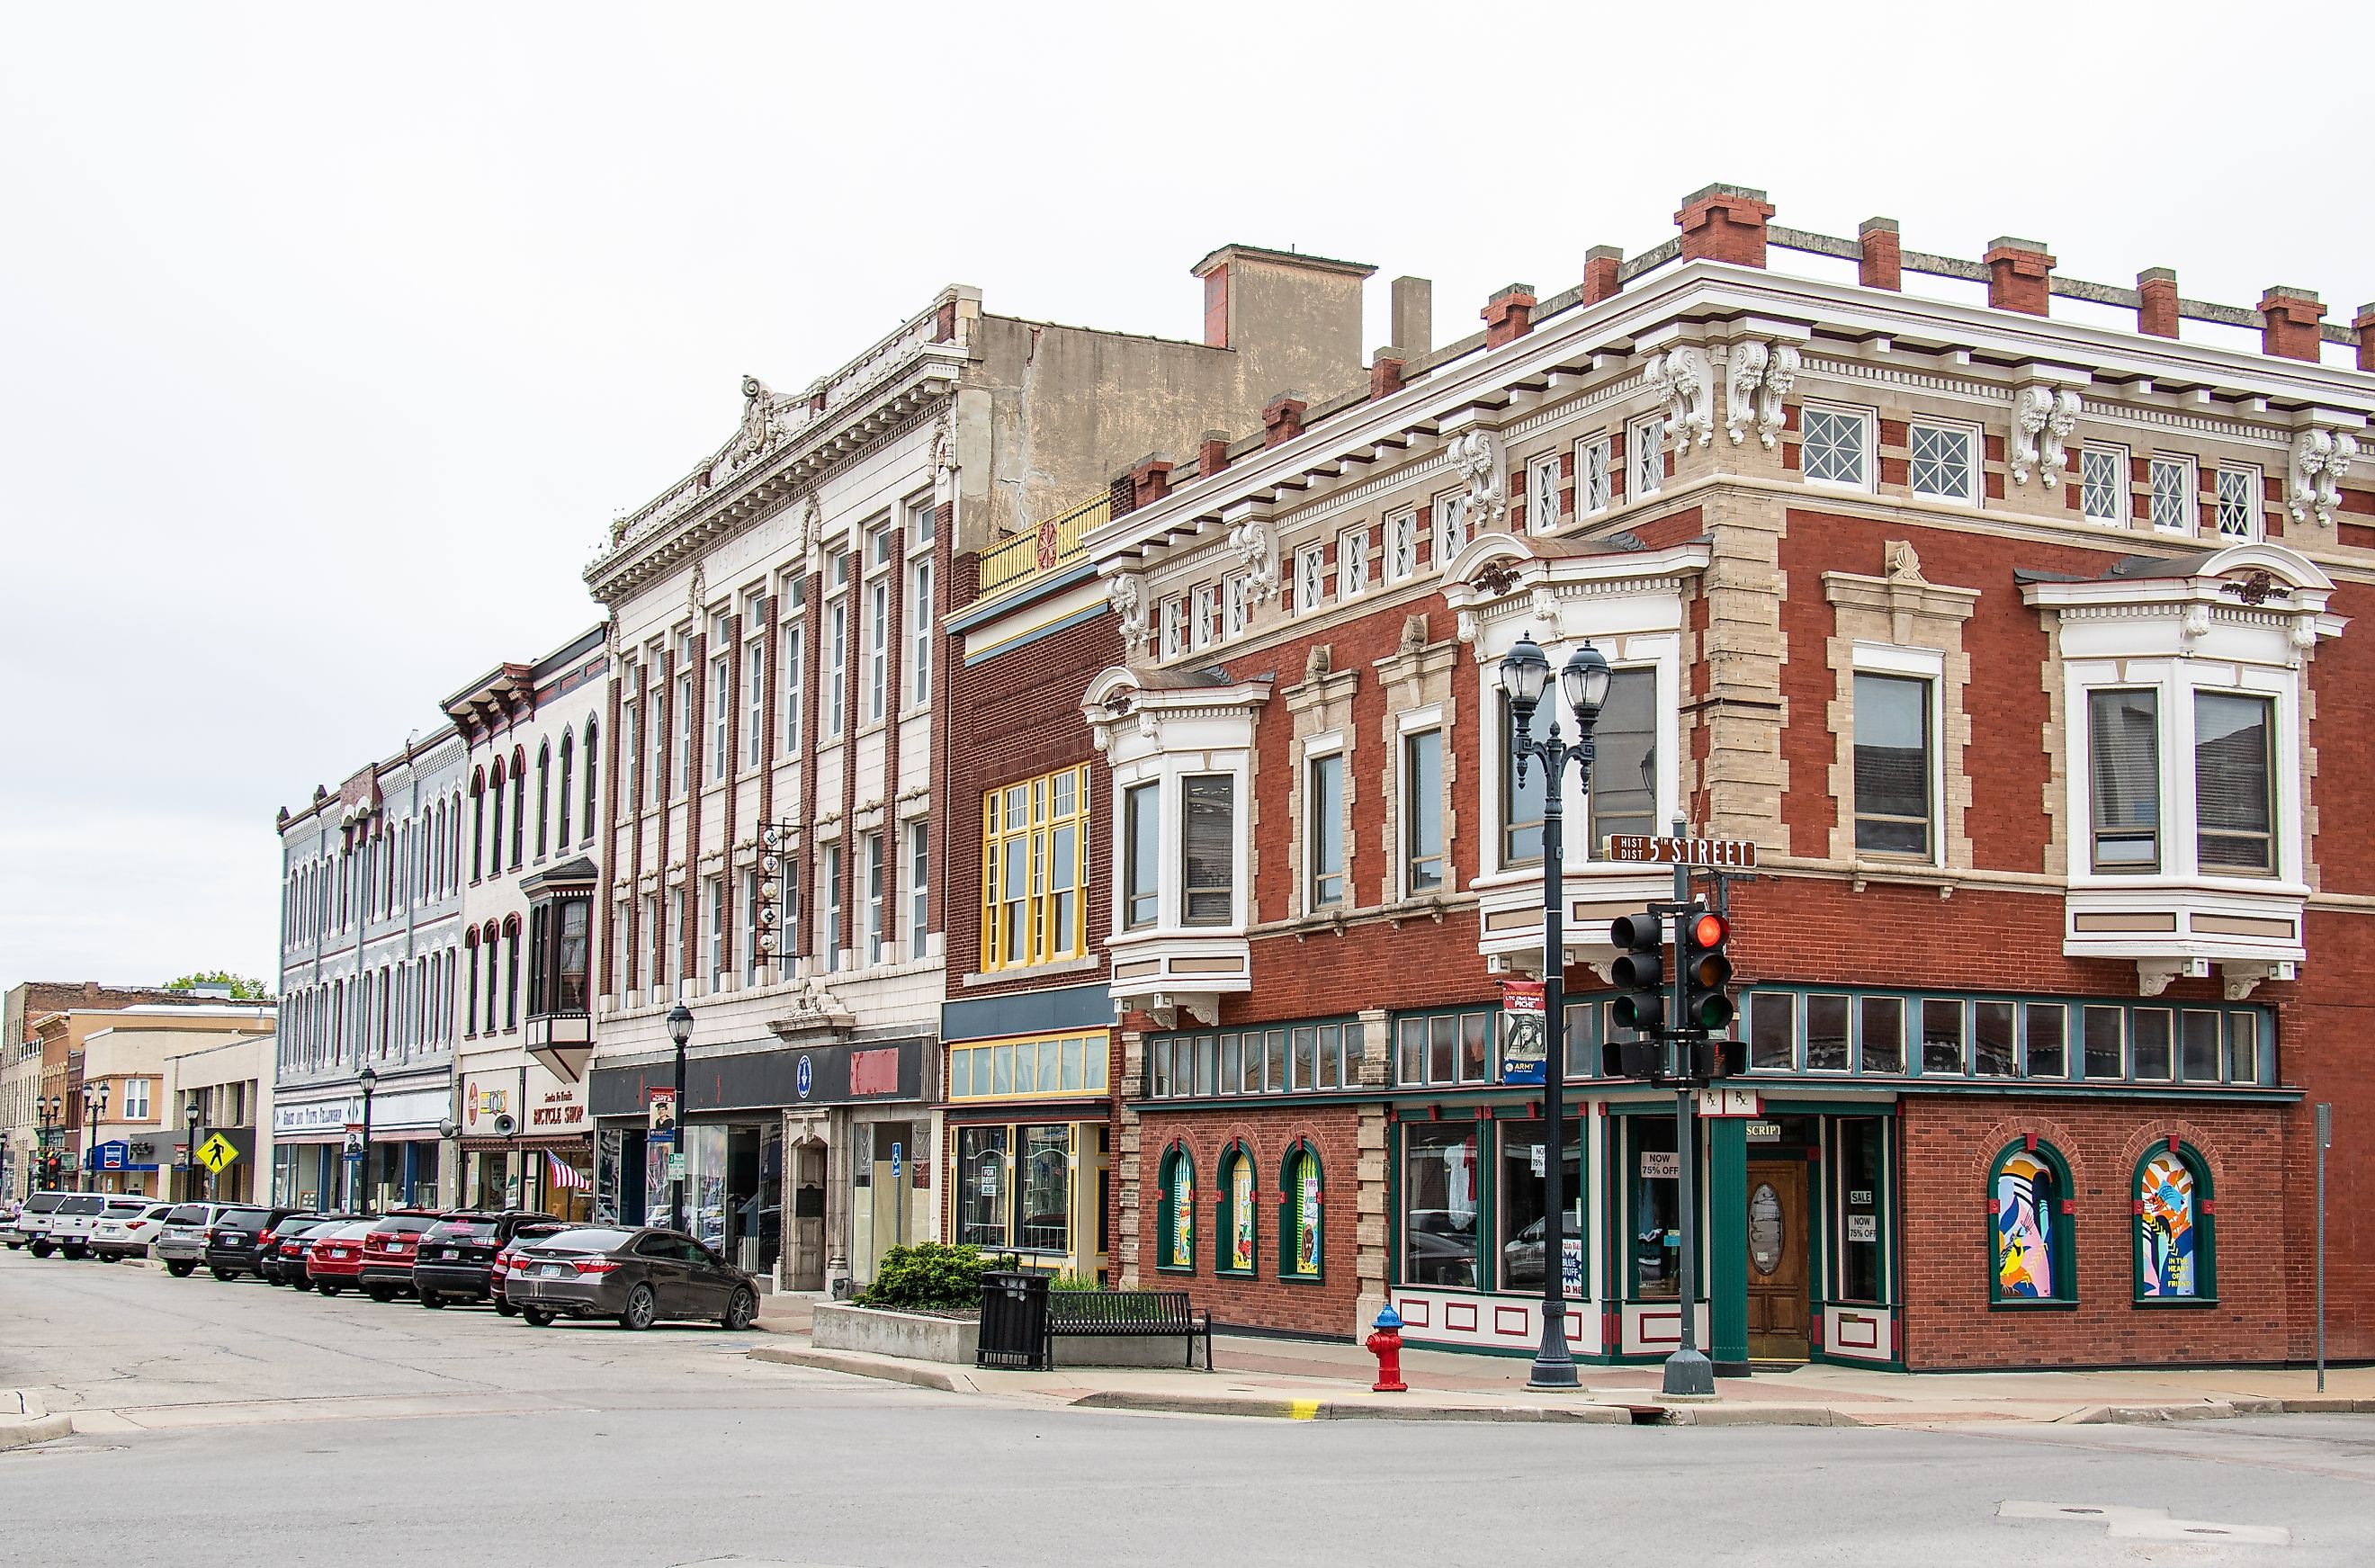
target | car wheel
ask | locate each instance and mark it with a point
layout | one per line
(301, 1286)
(432, 1299)
(641, 1307)
(381, 1293)
(536, 1317)
(506, 1307)
(327, 1289)
(109, 1257)
(180, 1270)
(42, 1249)
(225, 1274)
(740, 1311)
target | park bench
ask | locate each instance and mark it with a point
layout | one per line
(1125, 1314)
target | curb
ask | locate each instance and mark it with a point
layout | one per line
(857, 1364)
(1332, 1411)
(2200, 1411)
(24, 1432)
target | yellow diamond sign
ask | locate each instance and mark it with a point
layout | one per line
(216, 1154)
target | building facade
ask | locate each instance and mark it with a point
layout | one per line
(221, 1086)
(33, 1083)
(532, 826)
(1992, 606)
(140, 1137)
(372, 881)
(778, 665)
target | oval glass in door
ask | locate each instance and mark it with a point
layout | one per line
(1765, 1237)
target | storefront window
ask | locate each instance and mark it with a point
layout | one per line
(1449, 1047)
(1655, 1221)
(981, 1191)
(1439, 1205)
(1300, 1237)
(1861, 1189)
(1175, 1213)
(1043, 1194)
(2174, 1257)
(1236, 1238)
(1519, 1195)
(2027, 1198)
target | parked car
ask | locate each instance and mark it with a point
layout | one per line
(499, 1271)
(637, 1276)
(334, 1255)
(127, 1228)
(280, 1251)
(387, 1252)
(71, 1222)
(182, 1242)
(232, 1240)
(456, 1257)
(30, 1225)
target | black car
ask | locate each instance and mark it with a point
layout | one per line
(235, 1238)
(455, 1259)
(280, 1256)
(633, 1277)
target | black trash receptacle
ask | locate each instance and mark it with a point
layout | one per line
(1013, 1321)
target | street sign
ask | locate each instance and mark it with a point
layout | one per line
(216, 1154)
(1664, 849)
(676, 1167)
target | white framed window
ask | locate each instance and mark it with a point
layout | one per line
(1542, 493)
(791, 639)
(721, 702)
(2123, 778)
(1645, 455)
(2239, 491)
(2176, 506)
(1310, 576)
(876, 895)
(1142, 855)
(878, 647)
(1450, 526)
(1420, 798)
(1895, 764)
(1402, 545)
(754, 696)
(1207, 609)
(836, 670)
(684, 737)
(1352, 561)
(136, 1099)
(923, 523)
(1208, 849)
(828, 910)
(654, 958)
(750, 934)
(1593, 469)
(1174, 628)
(712, 901)
(1836, 447)
(2103, 484)
(919, 888)
(919, 631)
(1945, 462)
(1240, 604)
(1324, 881)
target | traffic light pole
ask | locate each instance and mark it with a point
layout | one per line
(1687, 1370)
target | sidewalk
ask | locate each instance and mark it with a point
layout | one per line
(25, 1419)
(1301, 1381)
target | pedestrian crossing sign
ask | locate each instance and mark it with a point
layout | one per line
(216, 1154)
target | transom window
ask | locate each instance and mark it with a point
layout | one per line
(1293, 1060)
(2103, 484)
(996, 1069)
(2173, 503)
(1456, 1047)
(1035, 870)
(1837, 449)
(1945, 462)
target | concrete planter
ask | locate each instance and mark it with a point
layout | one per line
(916, 1336)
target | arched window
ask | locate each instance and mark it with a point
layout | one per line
(544, 796)
(593, 766)
(1175, 1213)
(568, 773)
(1301, 1250)
(519, 805)
(495, 837)
(1234, 1238)
(2029, 1222)
(470, 950)
(2177, 1258)
(511, 972)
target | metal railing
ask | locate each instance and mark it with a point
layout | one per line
(1053, 544)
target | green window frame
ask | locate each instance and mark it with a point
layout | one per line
(1236, 1239)
(2175, 1253)
(1175, 1213)
(1301, 1226)
(2032, 1222)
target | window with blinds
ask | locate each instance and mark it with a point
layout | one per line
(2123, 738)
(1521, 800)
(1892, 765)
(1208, 849)
(1624, 759)
(1142, 855)
(2233, 811)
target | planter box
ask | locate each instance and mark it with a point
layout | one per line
(916, 1336)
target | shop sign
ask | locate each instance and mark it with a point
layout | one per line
(1660, 1165)
(558, 1109)
(1861, 1196)
(1571, 1267)
(1764, 1132)
(1864, 1227)
(764, 1080)
(1524, 1048)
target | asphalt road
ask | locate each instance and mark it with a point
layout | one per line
(237, 1424)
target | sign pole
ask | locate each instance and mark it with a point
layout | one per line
(2324, 1137)
(1687, 1370)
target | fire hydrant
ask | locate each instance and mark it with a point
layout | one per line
(1386, 1344)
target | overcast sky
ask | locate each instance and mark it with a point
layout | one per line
(332, 336)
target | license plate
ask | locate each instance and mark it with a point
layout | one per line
(554, 1270)
(233, 1239)
(449, 1252)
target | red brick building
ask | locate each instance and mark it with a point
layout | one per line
(2010, 616)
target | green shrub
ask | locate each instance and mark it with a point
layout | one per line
(1074, 1283)
(927, 1277)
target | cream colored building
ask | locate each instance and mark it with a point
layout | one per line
(128, 1060)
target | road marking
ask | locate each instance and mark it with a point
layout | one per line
(1303, 1410)
(2148, 1523)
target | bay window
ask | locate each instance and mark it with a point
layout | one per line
(2123, 740)
(1142, 855)
(2233, 771)
(1624, 797)
(1208, 849)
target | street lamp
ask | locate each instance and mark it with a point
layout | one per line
(1524, 675)
(94, 1105)
(189, 1150)
(680, 1027)
(50, 1111)
(369, 1080)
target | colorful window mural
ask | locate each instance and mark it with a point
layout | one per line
(1299, 1219)
(2030, 1225)
(1237, 1229)
(1175, 1213)
(2172, 1207)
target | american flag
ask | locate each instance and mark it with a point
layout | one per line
(561, 1173)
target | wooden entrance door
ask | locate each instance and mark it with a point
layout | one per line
(1778, 1297)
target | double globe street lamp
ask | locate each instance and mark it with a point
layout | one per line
(1525, 675)
(364, 1185)
(680, 1027)
(94, 1106)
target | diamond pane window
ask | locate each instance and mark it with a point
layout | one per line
(2172, 494)
(1352, 562)
(1592, 474)
(1943, 462)
(2103, 484)
(1836, 449)
(2239, 503)
(1402, 545)
(1542, 494)
(1644, 451)
(1310, 577)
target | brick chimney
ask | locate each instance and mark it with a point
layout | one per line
(1282, 418)
(2156, 303)
(1211, 453)
(2364, 325)
(1386, 374)
(1724, 223)
(1509, 316)
(1150, 480)
(2290, 319)
(1599, 264)
(2020, 275)
(1882, 265)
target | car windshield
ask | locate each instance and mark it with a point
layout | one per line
(83, 1203)
(245, 1220)
(126, 1210)
(582, 1240)
(463, 1228)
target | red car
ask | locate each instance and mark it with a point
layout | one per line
(334, 1257)
(388, 1252)
(500, 1269)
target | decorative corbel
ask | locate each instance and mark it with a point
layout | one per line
(1685, 378)
(1741, 387)
(1126, 596)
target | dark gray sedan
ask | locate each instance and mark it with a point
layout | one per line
(635, 1276)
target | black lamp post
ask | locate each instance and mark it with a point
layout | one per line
(52, 1112)
(369, 1080)
(94, 1105)
(1524, 675)
(680, 1027)
(190, 1151)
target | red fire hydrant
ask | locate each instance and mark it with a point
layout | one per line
(1386, 1344)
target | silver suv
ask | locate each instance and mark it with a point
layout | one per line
(182, 1244)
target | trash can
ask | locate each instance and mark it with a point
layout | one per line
(1013, 1321)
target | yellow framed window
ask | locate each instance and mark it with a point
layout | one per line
(1035, 870)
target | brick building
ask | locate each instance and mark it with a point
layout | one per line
(2011, 615)
(35, 1071)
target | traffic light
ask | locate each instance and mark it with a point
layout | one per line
(1640, 972)
(1712, 1059)
(1707, 969)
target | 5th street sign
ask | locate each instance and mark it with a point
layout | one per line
(1665, 850)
